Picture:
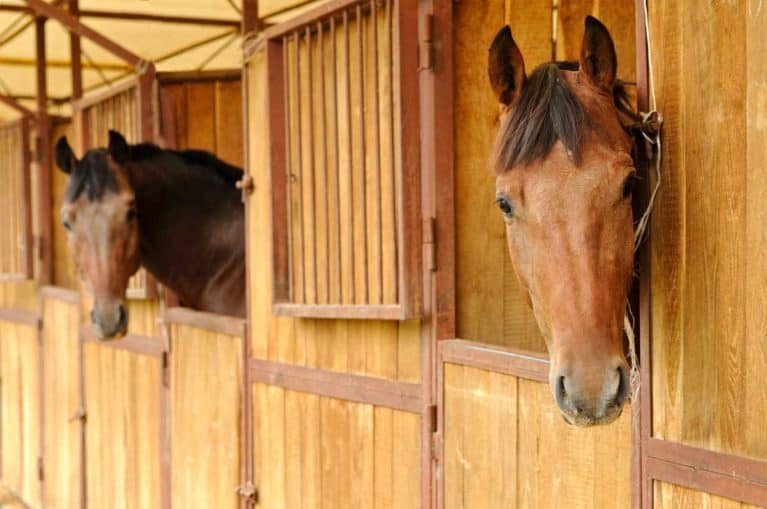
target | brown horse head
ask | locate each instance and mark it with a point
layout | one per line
(99, 213)
(564, 181)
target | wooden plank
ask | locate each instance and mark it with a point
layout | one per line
(400, 395)
(228, 112)
(200, 104)
(755, 350)
(383, 454)
(529, 365)
(212, 322)
(406, 458)
(480, 243)
(123, 432)
(361, 474)
(667, 495)
(335, 454)
(62, 435)
(20, 438)
(206, 370)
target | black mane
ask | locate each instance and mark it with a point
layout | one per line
(547, 111)
(94, 177)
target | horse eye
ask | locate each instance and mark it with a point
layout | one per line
(131, 215)
(628, 185)
(505, 206)
(67, 224)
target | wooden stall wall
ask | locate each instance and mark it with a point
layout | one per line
(709, 275)
(205, 113)
(670, 496)
(707, 287)
(15, 197)
(62, 400)
(322, 429)
(20, 410)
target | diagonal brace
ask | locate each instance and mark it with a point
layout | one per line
(16, 105)
(74, 25)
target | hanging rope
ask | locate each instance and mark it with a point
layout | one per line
(649, 127)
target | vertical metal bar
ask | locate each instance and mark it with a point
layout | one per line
(312, 190)
(26, 199)
(324, 146)
(361, 57)
(299, 163)
(250, 22)
(334, 88)
(288, 168)
(393, 141)
(350, 189)
(377, 152)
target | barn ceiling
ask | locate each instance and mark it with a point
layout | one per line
(213, 47)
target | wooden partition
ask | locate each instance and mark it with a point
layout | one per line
(15, 201)
(63, 405)
(206, 402)
(20, 439)
(506, 445)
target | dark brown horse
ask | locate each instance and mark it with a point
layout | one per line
(177, 213)
(564, 182)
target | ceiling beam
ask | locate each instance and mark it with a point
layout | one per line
(15, 104)
(30, 62)
(137, 16)
(74, 25)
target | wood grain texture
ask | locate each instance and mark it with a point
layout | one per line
(64, 268)
(708, 287)
(666, 495)
(62, 436)
(12, 216)
(320, 452)
(20, 409)
(506, 445)
(19, 295)
(206, 380)
(122, 391)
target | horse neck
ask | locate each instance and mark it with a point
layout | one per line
(190, 226)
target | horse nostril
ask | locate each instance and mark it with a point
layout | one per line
(623, 387)
(122, 315)
(559, 392)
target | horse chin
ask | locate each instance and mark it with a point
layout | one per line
(585, 421)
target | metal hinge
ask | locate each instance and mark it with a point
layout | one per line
(40, 475)
(246, 186)
(430, 243)
(426, 43)
(436, 437)
(249, 492)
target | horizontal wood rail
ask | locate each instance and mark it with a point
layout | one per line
(403, 396)
(340, 311)
(111, 91)
(310, 16)
(136, 343)
(19, 316)
(187, 76)
(726, 475)
(59, 293)
(500, 359)
(231, 325)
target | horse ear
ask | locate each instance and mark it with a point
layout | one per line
(119, 150)
(65, 157)
(505, 67)
(598, 58)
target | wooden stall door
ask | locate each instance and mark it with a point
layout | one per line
(20, 407)
(338, 407)
(705, 348)
(206, 405)
(62, 408)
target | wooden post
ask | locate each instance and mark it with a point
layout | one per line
(249, 16)
(43, 154)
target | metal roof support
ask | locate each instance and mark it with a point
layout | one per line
(74, 25)
(249, 16)
(74, 51)
(16, 105)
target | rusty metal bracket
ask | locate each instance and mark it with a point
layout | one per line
(249, 492)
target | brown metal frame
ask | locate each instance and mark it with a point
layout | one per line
(409, 229)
